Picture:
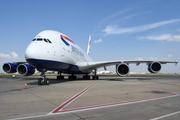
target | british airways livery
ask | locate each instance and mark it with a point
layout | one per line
(54, 51)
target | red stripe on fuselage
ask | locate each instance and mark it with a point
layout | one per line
(62, 36)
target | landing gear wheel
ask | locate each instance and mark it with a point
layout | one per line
(40, 81)
(95, 77)
(86, 77)
(72, 77)
(46, 81)
(60, 77)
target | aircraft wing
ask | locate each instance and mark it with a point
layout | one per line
(88, 66)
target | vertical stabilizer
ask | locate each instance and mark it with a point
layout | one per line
(89, 43)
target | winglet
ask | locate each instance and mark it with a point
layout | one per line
(89, 43)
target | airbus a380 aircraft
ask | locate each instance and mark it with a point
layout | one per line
(54, 51)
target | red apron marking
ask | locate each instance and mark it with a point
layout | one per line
(60, 108)
(71, 99)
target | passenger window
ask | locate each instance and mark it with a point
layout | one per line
(39, 39)
(49, 41)
(45, 40)
(34, 40)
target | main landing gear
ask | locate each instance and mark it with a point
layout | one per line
(73, 77)
(95, 77)
(43, 80)
(86, 77)
(60, 77)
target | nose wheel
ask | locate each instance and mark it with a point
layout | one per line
(43, 80)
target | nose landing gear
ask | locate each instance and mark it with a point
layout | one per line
(43, 80)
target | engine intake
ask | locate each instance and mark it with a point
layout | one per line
(25, 70)
(154, 67)
(9, 68)
(122, 69)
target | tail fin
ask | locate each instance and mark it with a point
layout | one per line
(89, 43)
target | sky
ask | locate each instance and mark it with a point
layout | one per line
(120, 29)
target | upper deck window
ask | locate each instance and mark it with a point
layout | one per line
(34, 40)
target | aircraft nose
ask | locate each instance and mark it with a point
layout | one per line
(31, 52)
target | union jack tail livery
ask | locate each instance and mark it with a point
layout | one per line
(89, 43)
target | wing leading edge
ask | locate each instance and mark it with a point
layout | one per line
(89, 66)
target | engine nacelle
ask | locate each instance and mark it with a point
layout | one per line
(25, 70)
(122, 69)
(154, 67)
(9, 68)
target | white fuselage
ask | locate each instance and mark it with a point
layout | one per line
(51, 50)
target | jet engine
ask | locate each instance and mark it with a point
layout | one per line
(122, 69)
(9, 67)
(25, 69)
(154, 67)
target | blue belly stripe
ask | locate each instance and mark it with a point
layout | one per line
(55, 66)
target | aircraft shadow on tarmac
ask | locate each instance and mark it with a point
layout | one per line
(156, 92)
(55, 81)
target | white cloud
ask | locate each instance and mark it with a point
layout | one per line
(165, 37)
(137, 14)
(139, 58)
(169, 55)
(175, 38)
(97, 41)
(115, 15)
(111, 29)
(152, 58)
(4, 55)
(13, 55)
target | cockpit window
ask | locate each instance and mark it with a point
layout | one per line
(39, 39)
(49, 41)
(45, 40)
(42, 39)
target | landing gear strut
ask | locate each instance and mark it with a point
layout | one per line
(60, 77)
(86, 77)
(72, 77)
(43, 80)
(95, 77)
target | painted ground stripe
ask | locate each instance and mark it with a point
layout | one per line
(115, 104)
(58, 109)
(102, 106)
(165, 116)
(91, 107)
(120, 103)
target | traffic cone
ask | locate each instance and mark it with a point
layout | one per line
(3, 78)
(177, 77)
(20, 79)
(25, 86)
(124, 80)
(157, 79)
